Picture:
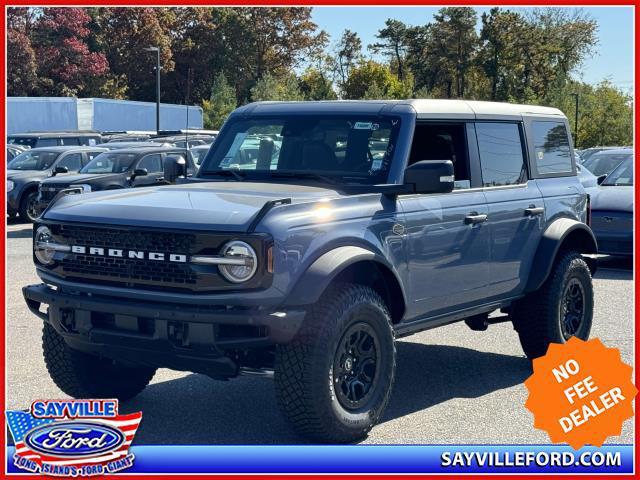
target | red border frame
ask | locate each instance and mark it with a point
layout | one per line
(636, 3)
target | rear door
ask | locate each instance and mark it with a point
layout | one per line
(516, 208)
(447, 236)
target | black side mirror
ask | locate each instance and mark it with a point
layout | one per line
(59, 169)
(175, 166)
(139, 172)
(601, 179)
(430, 176)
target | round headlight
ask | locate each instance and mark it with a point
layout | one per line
(10, 185)
(241, 261)
(42, 245)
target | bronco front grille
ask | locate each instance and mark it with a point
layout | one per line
(143, 272)
(129, 269)
(168, 242)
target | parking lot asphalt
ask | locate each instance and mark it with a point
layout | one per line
(453, 385)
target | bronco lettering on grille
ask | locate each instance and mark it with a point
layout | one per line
(133, 254)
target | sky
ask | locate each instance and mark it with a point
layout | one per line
(612, 60)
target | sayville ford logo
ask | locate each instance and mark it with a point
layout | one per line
(73, 437)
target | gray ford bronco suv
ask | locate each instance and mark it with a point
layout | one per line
(314, 235)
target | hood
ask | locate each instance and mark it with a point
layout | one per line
(17, 175)
(217, 206)
(81, 178)
(613, 199)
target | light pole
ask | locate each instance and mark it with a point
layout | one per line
(575, 136)
(157, 50)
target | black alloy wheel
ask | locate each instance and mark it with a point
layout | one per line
(355, 366)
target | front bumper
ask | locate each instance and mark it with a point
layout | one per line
(191, 338)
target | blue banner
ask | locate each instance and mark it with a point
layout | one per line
(452, 459)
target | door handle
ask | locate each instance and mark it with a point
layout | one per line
(474, 218)
(533, 211)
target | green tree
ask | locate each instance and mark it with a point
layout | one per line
(270, 87)
(393, 44)
(315, 85)
(371, 79)
(347, 55)
(500, 56)
(220, 104)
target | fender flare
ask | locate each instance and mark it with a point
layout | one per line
(556, 234)
(314, 281)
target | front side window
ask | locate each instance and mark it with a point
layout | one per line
(552, 153)
(72, 162)
(33, 160)
(501, 154)
(346, 149)
(622, 175)
(110, 162)
(152, 163)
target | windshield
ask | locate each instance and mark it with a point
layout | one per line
(110, 162)
(25, 141)
(622, 175)
(603, 163)
(340, 149)
(39, 160)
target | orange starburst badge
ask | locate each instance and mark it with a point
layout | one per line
(580, 392)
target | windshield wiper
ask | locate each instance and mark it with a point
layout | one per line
(230, 172)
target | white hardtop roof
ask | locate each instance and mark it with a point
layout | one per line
(434, 106)
(424, 108)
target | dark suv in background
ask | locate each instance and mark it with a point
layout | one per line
(354, 224)
(28, 169)
(122, 168)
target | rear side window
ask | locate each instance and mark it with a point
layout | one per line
(552, 154)
(501, 155)
(47, 142)
(69, 141)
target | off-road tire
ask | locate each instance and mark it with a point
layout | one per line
(82, 375)
(537, 318)
(304, 368)
(25, 206)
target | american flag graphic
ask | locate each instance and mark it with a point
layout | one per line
(21, 423)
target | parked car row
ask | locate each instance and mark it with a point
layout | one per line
(179, 138)
(35, 176)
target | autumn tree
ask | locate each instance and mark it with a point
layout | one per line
(124, 34)
(66, 66)
(21, 59)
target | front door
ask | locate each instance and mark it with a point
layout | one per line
(155, 173)
(447, 236)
